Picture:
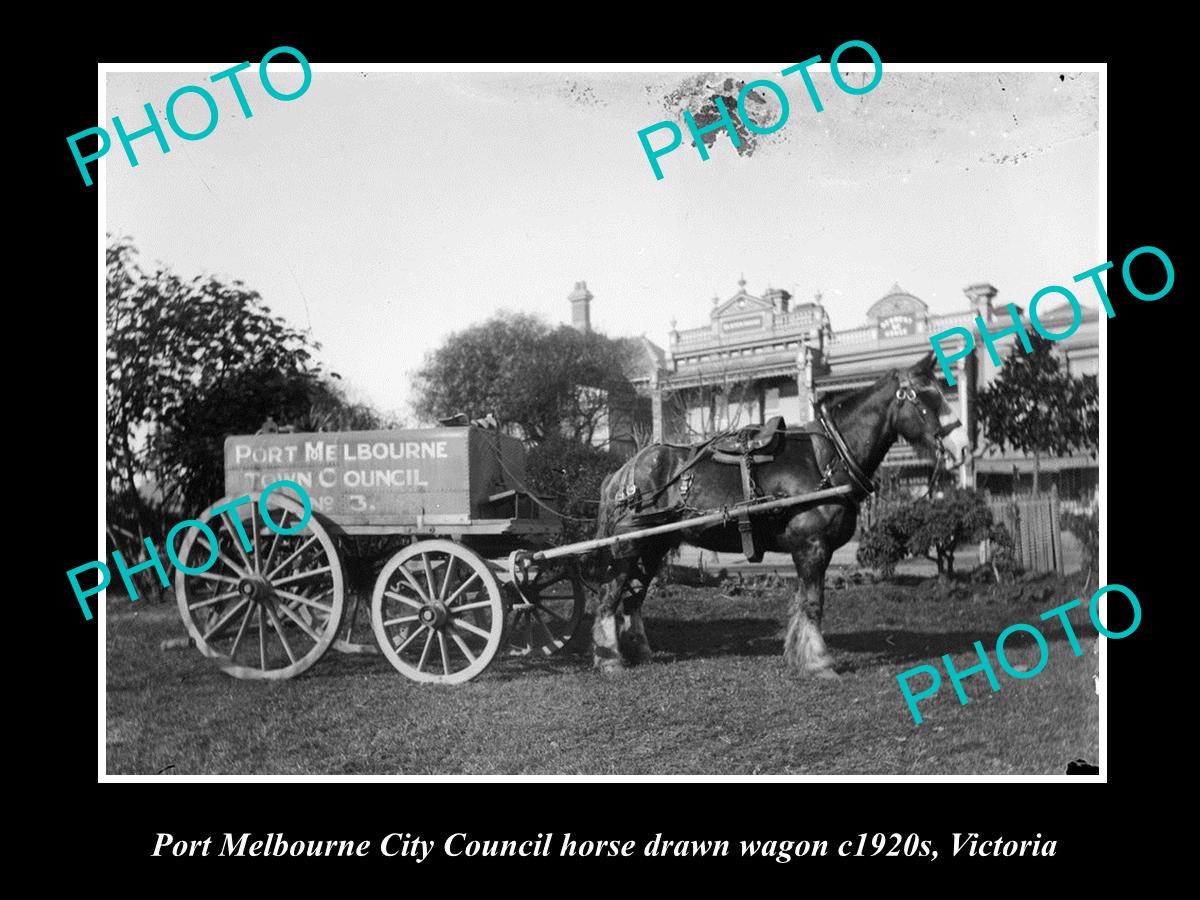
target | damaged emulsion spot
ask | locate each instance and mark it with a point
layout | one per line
(737, 113)
(581, 94)
(702, 94)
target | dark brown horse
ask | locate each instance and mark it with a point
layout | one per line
(663, 481)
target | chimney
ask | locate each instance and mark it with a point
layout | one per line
(581, 301)
(981, 296)
(778, 299)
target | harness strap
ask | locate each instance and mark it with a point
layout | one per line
(745, 526)
(862, 483)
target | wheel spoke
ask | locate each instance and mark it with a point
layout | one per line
(299, 620)
(279, 631)
(300, 598)
(463, 623)
(413, 584)
(542, 585)
(210, 576)
(403, 599)
(225, 619)
(266, 564)
(410, 638)
(279, 568)
(546, 628)
(227, 521)
(425, 652)
(229, 563)
(216, 599)
(446, 581)
(549, 611)
(400, 619)
(301, 575)
(254, 537)
(241, 630)
(462, 587)
(428, 574)
(462, 645)
(445, 655)
(262, 639)
(479, 604)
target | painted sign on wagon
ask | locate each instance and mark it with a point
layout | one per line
(414, 476)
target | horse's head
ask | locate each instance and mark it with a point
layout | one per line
(922, 416)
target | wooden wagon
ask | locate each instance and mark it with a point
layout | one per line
(407, 549)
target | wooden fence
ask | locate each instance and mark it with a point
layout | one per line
(1034, 525)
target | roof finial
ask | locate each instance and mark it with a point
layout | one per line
(742, 281)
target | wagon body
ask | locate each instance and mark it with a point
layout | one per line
(430, 481)
(446, 507)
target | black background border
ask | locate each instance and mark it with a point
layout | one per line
(1148, 485)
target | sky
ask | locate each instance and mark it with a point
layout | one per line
(385, 211)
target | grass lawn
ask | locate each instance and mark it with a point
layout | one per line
(717, 699)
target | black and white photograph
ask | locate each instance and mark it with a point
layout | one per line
(614, 421)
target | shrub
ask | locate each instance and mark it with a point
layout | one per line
(569, 474)
(932, 528)
(1002, 555)
(1087, 531)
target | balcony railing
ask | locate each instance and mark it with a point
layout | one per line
(789, 324)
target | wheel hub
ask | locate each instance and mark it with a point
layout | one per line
(434, 614)
(256, 590)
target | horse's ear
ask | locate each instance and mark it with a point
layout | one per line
(925, 365)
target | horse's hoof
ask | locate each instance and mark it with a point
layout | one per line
(609, 666)
(826, 674)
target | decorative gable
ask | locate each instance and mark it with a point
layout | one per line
(898, 313)
(741, 313)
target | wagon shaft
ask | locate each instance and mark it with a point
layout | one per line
(710, 518)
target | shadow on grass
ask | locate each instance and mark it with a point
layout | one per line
(690, 639)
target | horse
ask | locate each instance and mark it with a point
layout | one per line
(844, 446)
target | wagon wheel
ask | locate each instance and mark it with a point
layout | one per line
(272, 611)
(548, 603)
(438, 612)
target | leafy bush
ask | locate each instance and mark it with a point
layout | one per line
(885, 543)
(1002, 556)
(570, 473)
(1087, 531)
(932, 528)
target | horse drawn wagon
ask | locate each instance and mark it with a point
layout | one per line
(471, 568)
(443, 506)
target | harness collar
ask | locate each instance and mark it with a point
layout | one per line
(862, 483)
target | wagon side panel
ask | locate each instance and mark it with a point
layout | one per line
(497, 466)
(403, 478)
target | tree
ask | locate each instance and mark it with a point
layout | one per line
(188, 363)
(933, 528)
(538, 381)
(1036, 407)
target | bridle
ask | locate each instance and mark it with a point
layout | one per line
(906, 393)
(862, 483)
